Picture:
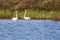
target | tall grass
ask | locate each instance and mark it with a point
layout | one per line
(34, 14)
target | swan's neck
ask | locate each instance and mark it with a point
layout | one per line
(16, 14)
(25, 14)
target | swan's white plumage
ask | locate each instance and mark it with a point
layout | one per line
(15, 18)
(26, 18)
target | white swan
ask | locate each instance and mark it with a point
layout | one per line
(26, 18)
(15, 18)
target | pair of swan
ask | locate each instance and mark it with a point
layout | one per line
(16, 18)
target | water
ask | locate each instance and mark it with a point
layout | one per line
(29, 30)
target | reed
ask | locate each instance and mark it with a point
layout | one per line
(33, 14)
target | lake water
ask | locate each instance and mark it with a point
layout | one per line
(29, 30)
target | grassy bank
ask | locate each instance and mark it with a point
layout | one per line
(33, 14)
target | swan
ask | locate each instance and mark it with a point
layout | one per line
(15, 18)
(25, 17)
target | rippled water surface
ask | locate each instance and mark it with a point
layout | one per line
(29, 30)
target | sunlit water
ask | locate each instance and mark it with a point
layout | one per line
(29, 30)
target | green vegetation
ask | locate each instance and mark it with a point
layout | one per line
(36, 9)
(34, 14)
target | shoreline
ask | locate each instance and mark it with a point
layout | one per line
(33, 14)
(37, 19)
